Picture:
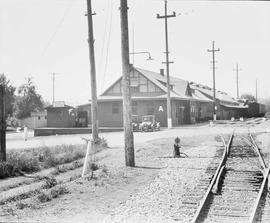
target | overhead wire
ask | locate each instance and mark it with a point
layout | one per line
(108, 45)
(52, 37)
(104, 38)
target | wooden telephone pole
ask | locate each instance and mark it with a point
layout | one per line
(213, 50)
(53, 79)
(237, 69)
(166, 16)
(2, 124)
(256, 90)
(128, 131)
(94, 104)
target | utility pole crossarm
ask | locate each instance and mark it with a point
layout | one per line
(214, 50)
(166, 16)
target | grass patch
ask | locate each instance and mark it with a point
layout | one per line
(49, 182)
(21, 196)
(64, 168)
(59, 190)
(101, 142)
(33, 160)
(36, 159)
(52, 194)
(44, 197)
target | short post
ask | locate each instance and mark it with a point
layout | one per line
(176, 149)
(86, 156)
(25, 133)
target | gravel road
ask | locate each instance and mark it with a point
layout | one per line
(115, 139)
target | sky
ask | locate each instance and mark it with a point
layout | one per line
(38, 38)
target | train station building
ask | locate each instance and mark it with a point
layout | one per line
(190, 102)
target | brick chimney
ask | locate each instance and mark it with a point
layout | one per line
(162, 72)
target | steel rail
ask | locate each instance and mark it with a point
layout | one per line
(252, 218)
(256, 148)
(214, 180)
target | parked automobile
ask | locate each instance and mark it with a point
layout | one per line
(149, 124)
(135, 123)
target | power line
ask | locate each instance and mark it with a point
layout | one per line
(61, 21)
(108, 46)
(104, 35)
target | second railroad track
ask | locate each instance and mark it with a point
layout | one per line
(238, 184)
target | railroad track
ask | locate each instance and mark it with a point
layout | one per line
(237, 190)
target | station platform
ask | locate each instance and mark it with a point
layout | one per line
(68, 131)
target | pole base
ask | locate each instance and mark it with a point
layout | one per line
(169, 123)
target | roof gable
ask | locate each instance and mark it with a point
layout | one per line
(136, 81)
(118, 81)
(179, 86)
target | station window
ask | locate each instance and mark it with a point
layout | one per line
(134, 89)
(115, 108)
(134, 108)
(150, 109)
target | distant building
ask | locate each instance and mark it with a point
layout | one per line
(226, 106)
(60, 115)
(36, 120)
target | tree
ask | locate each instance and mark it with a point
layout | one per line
(28, 100)
(248, 97)
(9, 94)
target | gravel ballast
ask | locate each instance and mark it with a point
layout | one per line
(160, 201)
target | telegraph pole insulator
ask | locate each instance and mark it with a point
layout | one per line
(213, 51)
(166, 16)
(128, 130)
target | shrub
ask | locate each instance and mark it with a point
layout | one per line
(49, 182)
(21, 205)
(60, 190)
(94, 166)
(33, 160)
(101, 142)
(6, 170)
(105, 170)
(17, 163)
(44, 197)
